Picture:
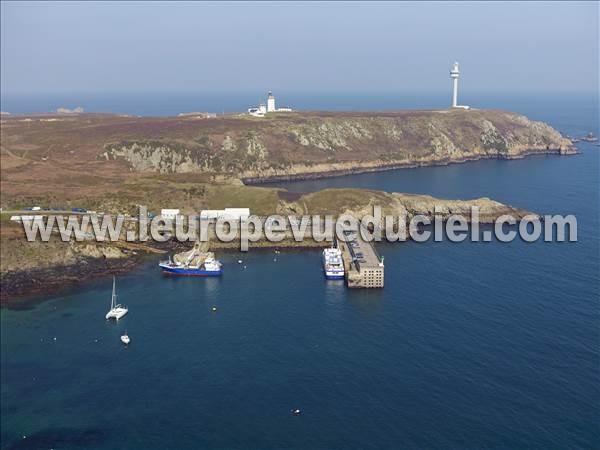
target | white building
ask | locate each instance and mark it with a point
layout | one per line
(169, 213)
(262, 109)
(258, 111)
(236, 213)
(255, 112)
(227, 213)
(27, 218)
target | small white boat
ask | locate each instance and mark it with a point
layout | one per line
(116, 311)
(125, 339)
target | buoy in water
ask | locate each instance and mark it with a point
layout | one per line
(239, 261)
(296, 412)
(214, 308)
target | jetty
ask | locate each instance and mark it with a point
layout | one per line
(363, 266)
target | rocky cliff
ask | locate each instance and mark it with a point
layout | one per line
(115, 163)
(314, 144)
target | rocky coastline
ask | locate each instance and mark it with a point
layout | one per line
(213, 163)
(358, 168)
(21, 288)
(32, 269)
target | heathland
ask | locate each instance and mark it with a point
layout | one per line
(113, 163)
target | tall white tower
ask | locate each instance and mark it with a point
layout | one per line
(270, 102)
(454, 73)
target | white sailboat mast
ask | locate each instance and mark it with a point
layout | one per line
(113, 302)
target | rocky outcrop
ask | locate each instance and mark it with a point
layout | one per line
(29, 268)
(489, 210)
(19, 254)
(315, 144)
(163, 157)
(360, 202)
(99, 251)
(205, 155)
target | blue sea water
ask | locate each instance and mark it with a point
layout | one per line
(470, 345)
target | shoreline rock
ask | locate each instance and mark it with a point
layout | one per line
(367, 168)
(59, 266)
(35, 269)
(22, 288)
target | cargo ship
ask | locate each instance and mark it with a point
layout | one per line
(193, 263)
(333, 264)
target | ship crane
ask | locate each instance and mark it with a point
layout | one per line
(191, 257)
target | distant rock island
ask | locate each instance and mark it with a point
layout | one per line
(63, 110)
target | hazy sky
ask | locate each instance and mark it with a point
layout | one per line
(100, 47)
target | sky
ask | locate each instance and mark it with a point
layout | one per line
(319, 47)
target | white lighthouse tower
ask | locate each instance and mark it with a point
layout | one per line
(454, 73)
(271, 102)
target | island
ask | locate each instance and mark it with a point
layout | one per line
(113, 163)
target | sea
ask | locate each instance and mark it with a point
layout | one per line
(468, 345)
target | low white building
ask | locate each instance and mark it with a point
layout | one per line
(28, 218)
(210, 214)
(227, 213)
(169, 213)
(236, 213)
(258, 111)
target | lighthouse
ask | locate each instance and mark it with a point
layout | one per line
(271, 102)
(262, 109)
(454, 73)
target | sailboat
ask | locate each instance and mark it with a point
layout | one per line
(116, 311)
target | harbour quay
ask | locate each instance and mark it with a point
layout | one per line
(364, 267)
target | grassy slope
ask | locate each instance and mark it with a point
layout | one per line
(62, 159)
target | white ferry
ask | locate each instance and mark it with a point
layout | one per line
(333, 264)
